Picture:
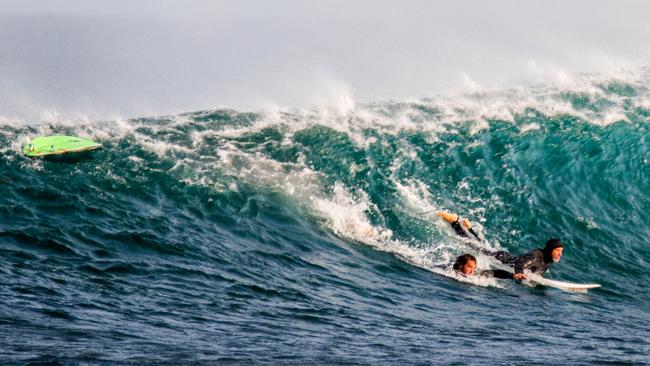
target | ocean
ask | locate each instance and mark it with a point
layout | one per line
(300, 235)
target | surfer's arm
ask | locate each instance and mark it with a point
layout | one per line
(523, 262)
(532, 261)
(521, 265)
(498, 273)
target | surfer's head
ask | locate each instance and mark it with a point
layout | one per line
(465, 264)
(553, 250)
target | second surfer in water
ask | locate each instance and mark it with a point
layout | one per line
(466, 266)
(537, 261)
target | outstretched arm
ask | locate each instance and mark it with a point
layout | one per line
(498, 273)
(524, 262)
(501, 274)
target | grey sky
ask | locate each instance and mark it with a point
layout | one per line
(133, 58)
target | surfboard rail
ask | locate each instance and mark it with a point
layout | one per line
(562, 285)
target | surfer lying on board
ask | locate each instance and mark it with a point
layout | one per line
(536, 261)
(466, 265)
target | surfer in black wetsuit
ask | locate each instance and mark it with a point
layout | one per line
(537, 261)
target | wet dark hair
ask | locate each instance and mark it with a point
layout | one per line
(462, 260)
(553, 243)
(550, 245)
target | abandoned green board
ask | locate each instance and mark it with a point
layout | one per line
(58, 145)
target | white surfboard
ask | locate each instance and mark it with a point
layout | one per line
(535, 280)
(565, 286)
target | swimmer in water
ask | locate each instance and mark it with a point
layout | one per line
(466, 265)
(536, 261)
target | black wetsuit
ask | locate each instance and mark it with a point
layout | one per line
(535, 261)
(460, 231)
(496, 273)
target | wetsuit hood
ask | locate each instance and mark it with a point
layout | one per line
(548, 249)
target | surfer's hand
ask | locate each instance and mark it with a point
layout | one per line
(518, 276)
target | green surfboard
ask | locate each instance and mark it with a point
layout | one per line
(58, 145)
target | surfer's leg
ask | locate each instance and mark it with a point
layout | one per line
(461, 227)
(447, 216)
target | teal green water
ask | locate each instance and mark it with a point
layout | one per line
(295, 236)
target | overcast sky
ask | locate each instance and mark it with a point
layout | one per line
(135, 58)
